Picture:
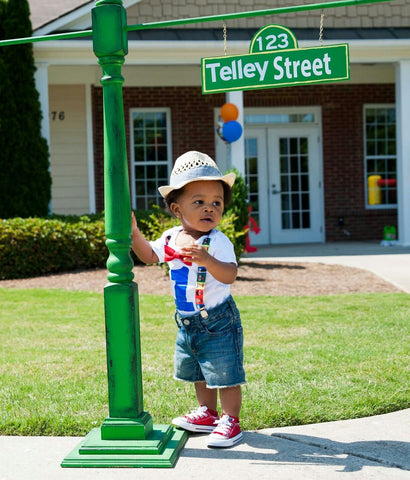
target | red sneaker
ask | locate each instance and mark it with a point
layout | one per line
(226, 434)
(200, 420)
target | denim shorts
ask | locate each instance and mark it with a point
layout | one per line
(211, 349)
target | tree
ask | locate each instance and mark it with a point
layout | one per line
(7, 124)
(27, 174)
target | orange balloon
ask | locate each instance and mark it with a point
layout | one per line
(229, 111)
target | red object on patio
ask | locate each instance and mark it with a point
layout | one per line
(254, 227)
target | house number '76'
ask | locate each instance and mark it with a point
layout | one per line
(57, 116)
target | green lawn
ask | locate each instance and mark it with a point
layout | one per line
(307, 359)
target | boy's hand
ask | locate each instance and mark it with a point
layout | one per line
(195, 253)
(140, 245)
(222, 271)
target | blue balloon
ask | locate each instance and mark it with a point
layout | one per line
(231, 131)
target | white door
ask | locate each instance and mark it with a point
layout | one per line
(283, 172)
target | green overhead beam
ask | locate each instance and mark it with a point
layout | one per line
(188, 21)
(47, 38)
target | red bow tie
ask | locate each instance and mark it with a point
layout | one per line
(171, 254)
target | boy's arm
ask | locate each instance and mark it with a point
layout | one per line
(140, 245)
(224, 272)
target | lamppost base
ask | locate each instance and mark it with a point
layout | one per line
(160, 449)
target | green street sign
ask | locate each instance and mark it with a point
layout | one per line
(277, 66)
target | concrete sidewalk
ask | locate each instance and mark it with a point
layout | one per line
(391, 263)
(376, 448)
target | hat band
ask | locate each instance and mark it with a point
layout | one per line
(193, 173)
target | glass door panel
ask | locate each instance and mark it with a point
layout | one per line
(295, 185)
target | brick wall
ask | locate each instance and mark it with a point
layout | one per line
(343, 149)
(342, 128)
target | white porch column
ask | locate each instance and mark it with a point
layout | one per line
(41, 79)
(403, 150)
(90, 149)
(237, 149)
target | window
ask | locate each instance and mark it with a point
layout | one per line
(150, 155)
(380, 156)
(294, 182)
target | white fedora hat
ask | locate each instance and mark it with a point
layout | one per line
(193, 167)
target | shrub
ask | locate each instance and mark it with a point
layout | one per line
(38, 246)
(154, 222)
(34, 246)
(237, 211)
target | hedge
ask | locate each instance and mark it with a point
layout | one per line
(31, 247)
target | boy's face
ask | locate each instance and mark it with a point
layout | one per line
(200, 206)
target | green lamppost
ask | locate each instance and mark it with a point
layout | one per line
(127, 437)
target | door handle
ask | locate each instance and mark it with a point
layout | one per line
(276, 192)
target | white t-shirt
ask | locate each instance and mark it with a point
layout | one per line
(184, 277)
